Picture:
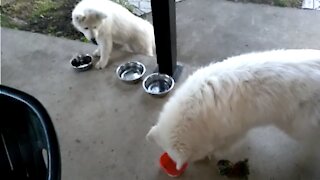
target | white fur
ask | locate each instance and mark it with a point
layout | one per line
(219, 103)
(109, 23)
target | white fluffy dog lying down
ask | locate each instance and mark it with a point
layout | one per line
(107, 23)
(221, 102)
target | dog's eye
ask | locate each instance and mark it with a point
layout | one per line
(86, 28)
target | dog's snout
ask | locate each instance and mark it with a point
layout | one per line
(93, 40)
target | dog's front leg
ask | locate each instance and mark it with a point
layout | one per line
(105, 50)
(96, 53)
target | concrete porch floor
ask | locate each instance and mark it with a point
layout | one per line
(101, 122)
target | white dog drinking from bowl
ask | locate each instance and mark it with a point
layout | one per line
(219, 103)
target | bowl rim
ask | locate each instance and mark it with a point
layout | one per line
(171, 172)
(83, 65)
(158, 74)
(124, 64)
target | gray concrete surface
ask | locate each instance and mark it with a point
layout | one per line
(101, 122)
(215, 29)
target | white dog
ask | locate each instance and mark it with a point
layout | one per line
(107, 23)
(221, 102)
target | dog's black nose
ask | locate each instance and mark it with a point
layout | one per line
(93, 40)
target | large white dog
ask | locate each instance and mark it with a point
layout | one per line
(221, 102)
(107, 23)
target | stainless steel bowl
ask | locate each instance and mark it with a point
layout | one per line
(81, 62)
(158, 84)
(131, 72)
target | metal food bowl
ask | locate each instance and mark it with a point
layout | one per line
(158, 84)
(81, 62)
(131, 72)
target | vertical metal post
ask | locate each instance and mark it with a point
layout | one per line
(164, 22)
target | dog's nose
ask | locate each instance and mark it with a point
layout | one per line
(93, 40)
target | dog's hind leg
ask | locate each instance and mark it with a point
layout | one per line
(150, 49)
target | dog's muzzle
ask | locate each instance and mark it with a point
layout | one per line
(93, 40)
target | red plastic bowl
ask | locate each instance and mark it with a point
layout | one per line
(169, 166)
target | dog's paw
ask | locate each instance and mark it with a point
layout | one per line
(101, 64)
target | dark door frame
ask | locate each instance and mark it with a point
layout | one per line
(164, 22)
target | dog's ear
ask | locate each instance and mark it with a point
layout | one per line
(100, 15)
(152, 134)
(80, 18)
(96, 14)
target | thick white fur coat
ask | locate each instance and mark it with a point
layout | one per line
(221, 102)
(111, 24)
